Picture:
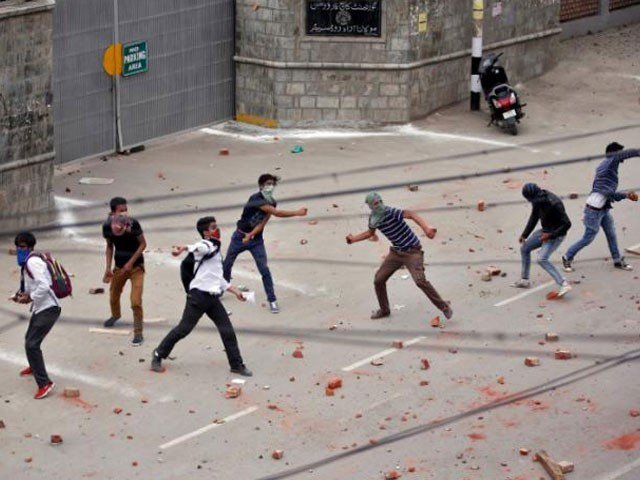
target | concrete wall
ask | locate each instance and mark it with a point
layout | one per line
(286, 78)
(26, 120)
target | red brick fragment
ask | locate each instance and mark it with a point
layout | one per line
(562, 355)
(532, 361)
(56, 439)
(551, 337)
(565, 466)
(117, 410)
(71, 392)
(134, 464)
(425, 364)
(329, 392)
(411, 469)
(28, 460)
(271, 406)
(224, 151)
(297, 353)
(335, 382)
(634, 413)
(233, 392)
(524, 451)
(277, 454)
(552, 295)
(424, 383)
(392, 475)
(481, 205)
(435, 322)
(397, 344)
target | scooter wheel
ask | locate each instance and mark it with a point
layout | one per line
(512, 128)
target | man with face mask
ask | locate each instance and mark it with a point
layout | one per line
(203, 297)
(405, 251)
(547, 208)
(35, 288)
(255, 215)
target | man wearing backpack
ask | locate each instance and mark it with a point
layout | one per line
(125, 244)
(255, 215)
(35, 288)
(204, 289)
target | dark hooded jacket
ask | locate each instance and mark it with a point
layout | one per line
(549, 209)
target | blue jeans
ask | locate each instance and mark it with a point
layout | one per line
(534, 242)
(593, 220)
(259, 253)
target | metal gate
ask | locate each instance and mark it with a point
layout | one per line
(187, 83)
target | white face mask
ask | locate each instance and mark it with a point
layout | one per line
(268, 188)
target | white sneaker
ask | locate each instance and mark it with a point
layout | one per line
(564, 289)
(273, 306)
(522, 283)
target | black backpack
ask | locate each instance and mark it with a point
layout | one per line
(188, 267)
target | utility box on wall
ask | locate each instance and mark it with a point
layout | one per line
(312, 62)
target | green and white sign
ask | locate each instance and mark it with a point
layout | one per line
(134, 58)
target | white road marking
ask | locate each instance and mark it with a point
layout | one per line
(211, 426)
(621, 471)
(524, 294)
(381, 354)
(110, 331)
(105, 383)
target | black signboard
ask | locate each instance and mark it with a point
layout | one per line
(345, 19)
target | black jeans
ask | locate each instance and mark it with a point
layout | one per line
(199, 303)
(39, 326)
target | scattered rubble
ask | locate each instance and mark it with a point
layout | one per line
(96, 291)
(397, 344)
(335, 382)
(377, 362)
(573, 195)
(632, 412)
(563, 355)
(425, 364)
(532, 361)
(71, 392)
(524, 451)
(413, 187)
(117, 410)
(551, 337)
(297, 353)
(566, 466)
(481, 205)
(223, 151)
(56, 439)
(233, 391)
(277, 454)
(435, 322)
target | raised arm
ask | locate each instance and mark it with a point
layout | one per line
(429, 231)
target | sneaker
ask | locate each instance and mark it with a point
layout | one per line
(44, 391)
(137, 340)
(380, 314)
(273, 306)
(111, 322)
(522, 283)
(564, 289)
(242, 370)
(566, 264)
(156, 362)
(448, 312)
(623, 265)
(26, 371)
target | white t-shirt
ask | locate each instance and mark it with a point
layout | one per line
(596, 200)
(209, 277)
(39, 287)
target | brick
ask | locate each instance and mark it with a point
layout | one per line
(117, 410)
(297, 353)
(233, 392)
(71, 392)
(425, 364)
(493, 270)
(551, 337)
(56, 439)
(532, 361)
(563, 355)
(573, 195)
(96, 291)
(481, 205)
(566, 466)
(397, 344)
(435, 322)
(632, 412)
(500, 380)
(424, 383)
(277, 454)
(392, 475)
(329, 392)
(223, 151)
(524, 451)
(307, 102)
(335, 382)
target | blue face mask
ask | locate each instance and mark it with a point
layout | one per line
(21, 255)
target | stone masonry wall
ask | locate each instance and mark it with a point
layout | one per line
(26, 120)
(287, 78)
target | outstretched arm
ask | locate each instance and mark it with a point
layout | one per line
(271, 210)
(429, 231)
(360, 236)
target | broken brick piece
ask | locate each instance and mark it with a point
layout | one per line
(633, 413)
(397, 344)
(329, 392)
(271, 406)
(233, 391)
(493, 270)
(117, 410)
(2, 425)
(562, 355)
(335, 382)
(304, 241)
(56, 439)
(96, 291)
(573, 195)
(425, 363)
(224, 151)
(424, 383)
(28, 460)
(413, 188)
(524, 451)
(297, 353)
(552, 295)
(500, 380)
(532, 361)
(392, 475)
(551, 337)
(481, 205)
(277, 454)
(71, 392)
(411, 469)
(435, 322)
(566, 466)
